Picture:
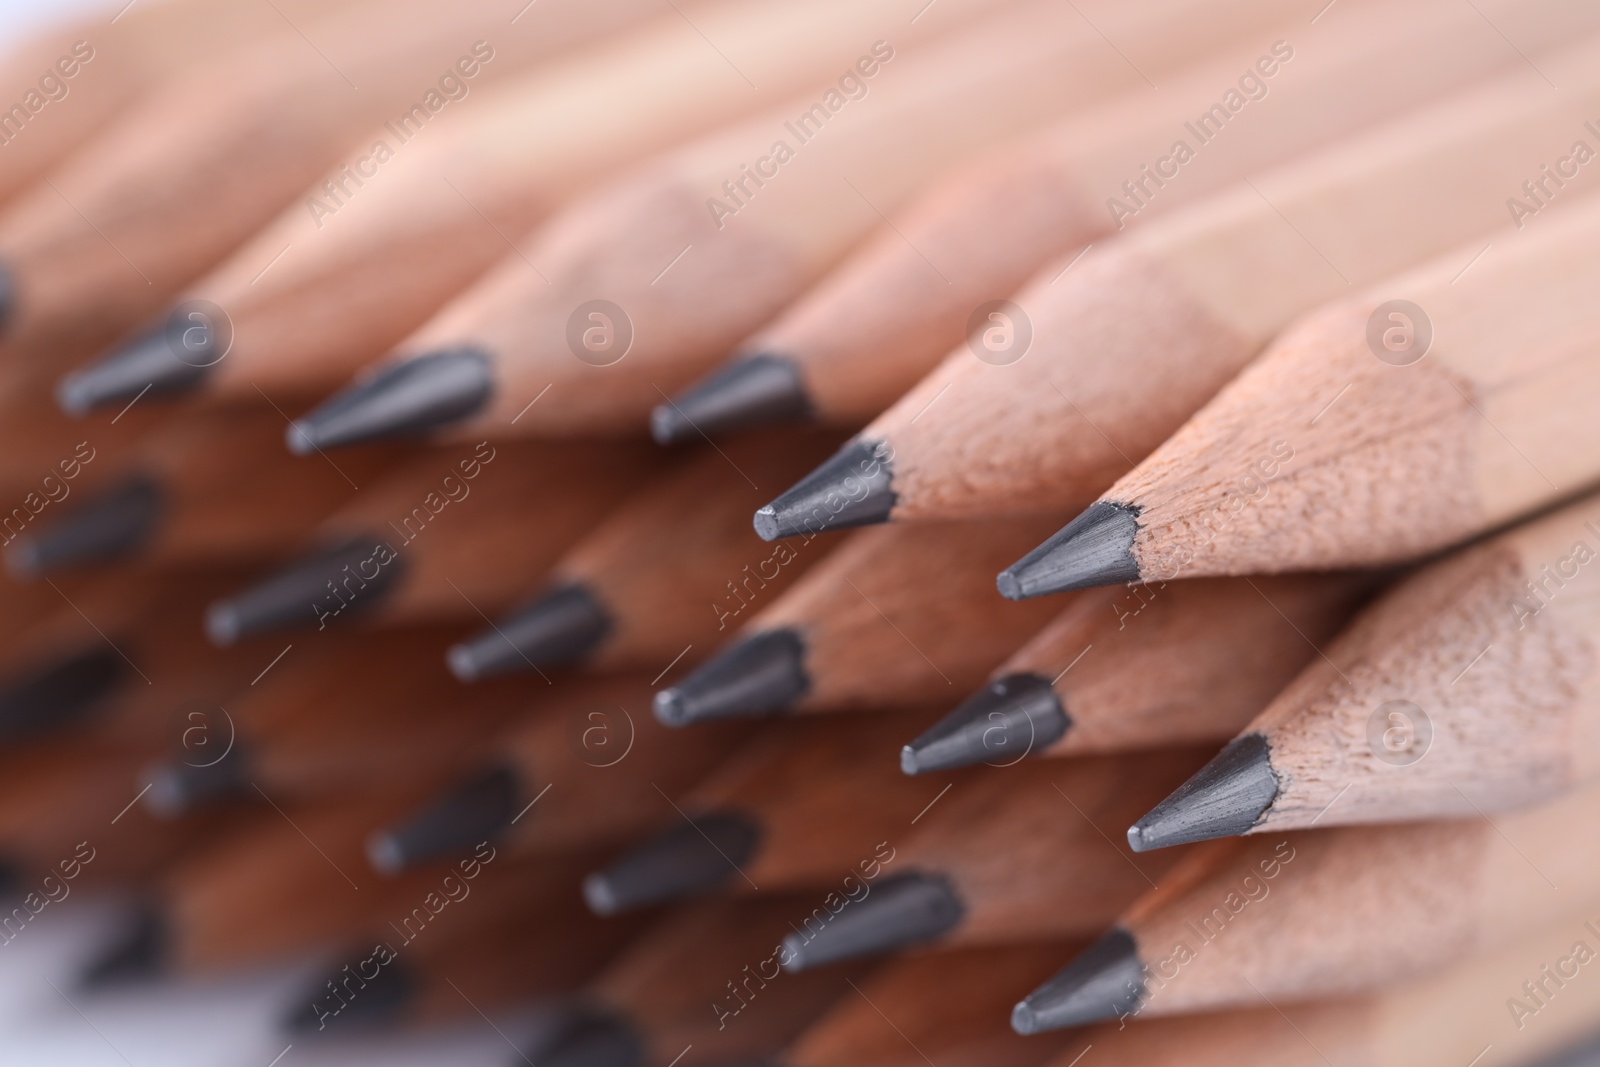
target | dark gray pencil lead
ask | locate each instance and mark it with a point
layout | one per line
(1010, 718)
(584, 1036)
(402, 400)
(178, 788)
(380, 1000)
(61, 693)
(110, 525)
(904, 910)
(1096, 548)
(1225, 798)
(563, 626)
(145, 365)
(693, 857)
(853, 488)
(143, 952)
(351, 577)
(476, 810)
(757, 390)
(1105, 982)
(760, 675)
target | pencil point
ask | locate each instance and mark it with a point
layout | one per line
(1225, 798)
(109, 525)
(141, 953)
(583, 1036)
(8, 298)
(144, 364)
(905, 910)
(59, 694)
(563, 626)
(383, 1000)
(760, 675)
(1105, 982)
(1096, 548)
(402, 400)
(691, 858)
(355, 575)
(859, 478)
(474, 811)
(178, 788)
(756, 390)
(1008, 719)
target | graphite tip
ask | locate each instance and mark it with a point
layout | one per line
(147, 364)
(1008, 719)
(853, 488)
(59, 694)
(141, 952)
(687, 860)
(1096, 548)
(1105, 982)
(577, 1035)
(905, 910)
(401, 400)
(476, 810)
(380, 1000)
(8, 298)
(1224, 798)
(110, 525)
(563, 626)
(354, 575)
(757, 390)
(178, 788)
(760, 675)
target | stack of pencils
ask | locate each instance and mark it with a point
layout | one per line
(437, 442)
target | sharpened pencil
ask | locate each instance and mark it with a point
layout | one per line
(1187, 300)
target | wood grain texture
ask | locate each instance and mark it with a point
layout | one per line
(867, 331)
(949, 1006)
(907, 616)
(198, 166)
(1350, 909)
(677, 564)
(932, 105)
(1179, 662)
(1191, 297)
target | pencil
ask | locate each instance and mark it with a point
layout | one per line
(312, 726)
(1131, 668)
(103, 66)
(651, 1004)
(414, 545)
(1495, 637)
(949, 1006)
(374, 256)
(180, 500)
(493, 935)
(867, 331)
(803, 801)
(667, 572)
(864, 628)
(1324, 913)
(1439, 406)
(957, 878)
(125, 663)
(199, 165)
(589, 766)
(1188, 299)
(762, 207)
(1443, 1018)
(259, 894)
